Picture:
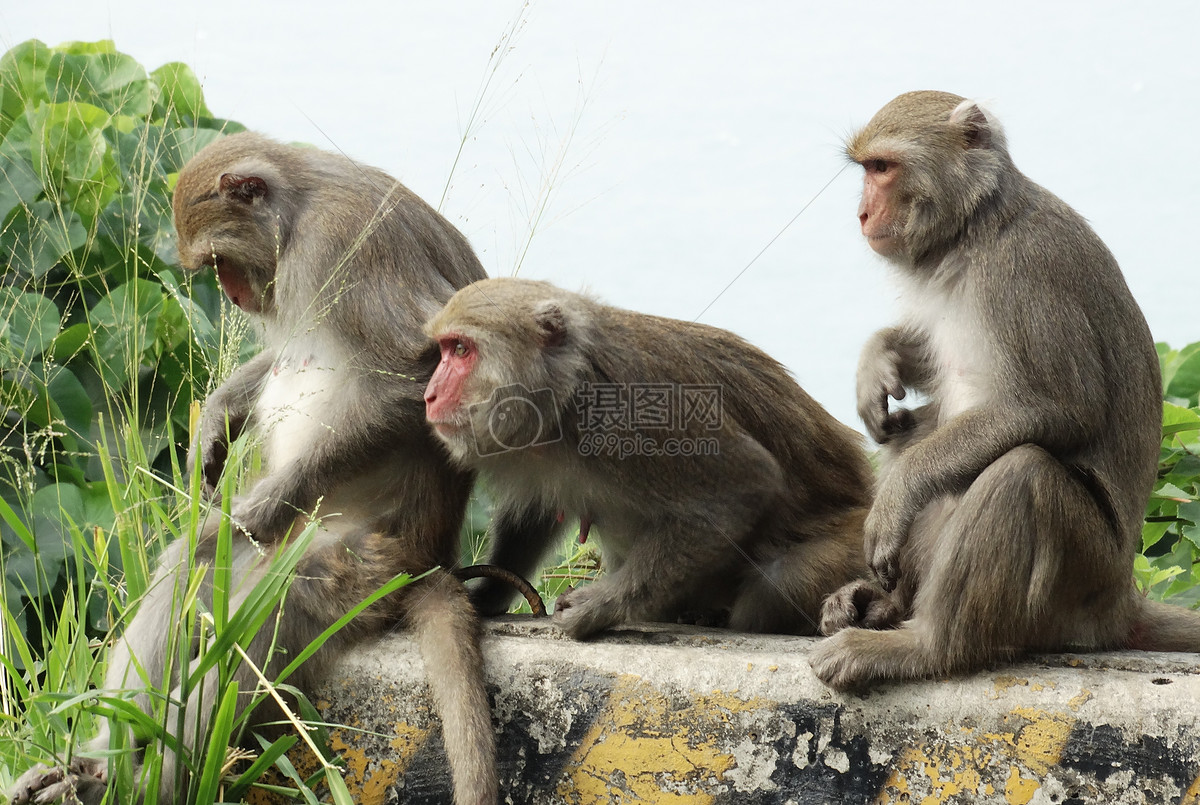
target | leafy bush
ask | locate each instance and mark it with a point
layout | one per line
(1169, 567)
(104, 343)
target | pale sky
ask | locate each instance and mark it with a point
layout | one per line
(679, 137)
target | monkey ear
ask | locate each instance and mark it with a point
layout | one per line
(242, 188)
(551, 323)
(976, 125)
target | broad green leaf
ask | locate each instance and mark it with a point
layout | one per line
(1152, 533)
(28, 324)
(180, 92)
(56, 508)
(1171, 492)
(68, 342)
(71, 400)
(22, 80)
(1177, 419)
(68, 144)
(125, 323)
(19, 183)
(88, 73)
(1185, 380)
(38, 237)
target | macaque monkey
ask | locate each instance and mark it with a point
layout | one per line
(340, 264)
(719, 488)
(1010, 503)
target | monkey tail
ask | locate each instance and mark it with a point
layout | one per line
(1165, 627)
(448, 632)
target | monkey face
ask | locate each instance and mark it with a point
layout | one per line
(222, 229)
(880, 213)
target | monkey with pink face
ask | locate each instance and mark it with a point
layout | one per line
(748, 516)
(1010, 503)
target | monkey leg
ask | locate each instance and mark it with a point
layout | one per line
(1026, 559)
(665, 573)
(783, 591)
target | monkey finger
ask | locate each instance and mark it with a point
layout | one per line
(888, 573)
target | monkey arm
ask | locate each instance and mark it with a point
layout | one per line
(226, 413)
(372, 422)
(891, 362)
(949, 460)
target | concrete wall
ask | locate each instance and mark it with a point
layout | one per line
(660, 714)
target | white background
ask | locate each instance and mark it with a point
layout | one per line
(678, 137)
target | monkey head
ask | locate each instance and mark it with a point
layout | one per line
(510, 354)
(931, 160)
(230, 214)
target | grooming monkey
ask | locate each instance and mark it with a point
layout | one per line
(756, 516)
(1010, 505)
(341, 265)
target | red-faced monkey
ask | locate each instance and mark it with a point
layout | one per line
(341, 265)
(1010, 504)
(718, 487)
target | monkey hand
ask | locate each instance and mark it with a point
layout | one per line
(884, 535)
(263, 514)
(209, 459)
(859, 603)
(210, 449)
(583, 611)
(879, 381)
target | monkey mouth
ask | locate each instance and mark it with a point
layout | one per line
(237, 287)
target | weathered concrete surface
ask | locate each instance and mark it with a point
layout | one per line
(662, 714)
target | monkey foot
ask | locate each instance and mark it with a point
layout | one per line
(83, 784)
(835, 661)
(583, 611)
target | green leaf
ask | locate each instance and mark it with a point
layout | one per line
(22, 80)
(95, 73)
(209, 784)
(28, 324)
(1170, 492)
(55, 509)
(180, 92)
(19, 183)
(68, 144)
(1190, 511)
(1152, 533)
(1185, 380)
(68, 342)
(125, 323)
(1177, 419)
(71, 400)
(39, 236)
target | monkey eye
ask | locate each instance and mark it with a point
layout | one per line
(461, 350)
(878, 165)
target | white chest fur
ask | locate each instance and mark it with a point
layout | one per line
(958, 353)
(304, 390)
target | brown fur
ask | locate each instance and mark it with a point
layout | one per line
(340, 264)
(1010, 505)
(761, 531)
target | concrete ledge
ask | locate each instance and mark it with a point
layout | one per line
(671, 714)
